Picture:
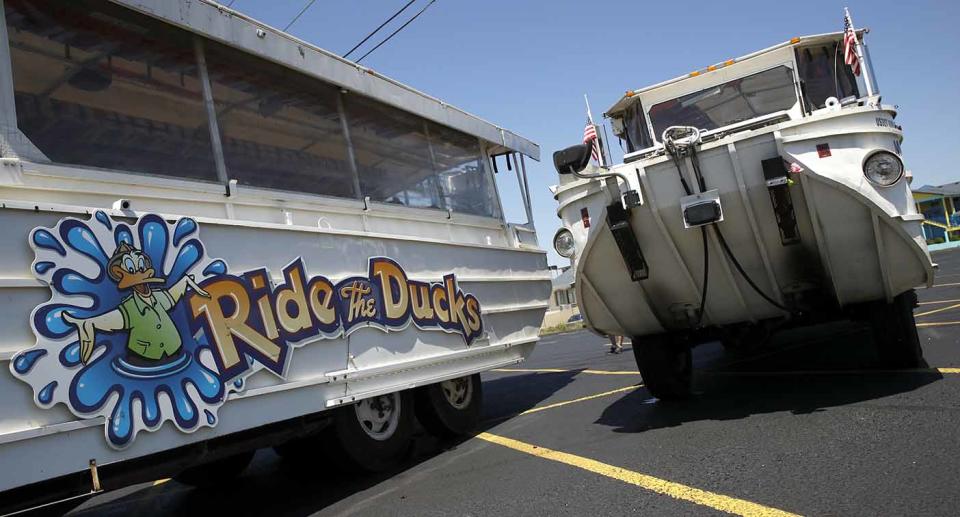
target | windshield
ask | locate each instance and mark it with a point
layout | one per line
(741, 99)
(823, 74)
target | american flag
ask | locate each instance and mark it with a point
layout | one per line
(850, 46)
(590, 135)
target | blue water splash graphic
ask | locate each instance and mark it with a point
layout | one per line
(102, 217)
(184, 228)
(217, 267)
(46, 394)
(126, 392)
(45, 239)
(25, 361)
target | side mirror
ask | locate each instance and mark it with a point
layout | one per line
(572, 159)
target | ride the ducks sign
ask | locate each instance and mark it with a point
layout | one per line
(143, 327)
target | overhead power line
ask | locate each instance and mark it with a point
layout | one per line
(394, 33)
(382, 25)
(297, 17)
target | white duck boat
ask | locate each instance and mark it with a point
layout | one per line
(220, 237)
(765, 190)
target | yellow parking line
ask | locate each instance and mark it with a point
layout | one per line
(713, 500)
(931, 302)
(560, 370)
(946, 285)
(829, 372)
(938, 324)
(581, 399)
(941, 309)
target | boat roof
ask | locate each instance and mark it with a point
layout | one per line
(631, 95)
(230, 27)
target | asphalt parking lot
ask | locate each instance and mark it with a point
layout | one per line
(806, 426)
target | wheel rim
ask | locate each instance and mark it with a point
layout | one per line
(379, 416)
(458, 392)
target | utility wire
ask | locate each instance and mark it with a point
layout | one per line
(394, 33)
(382, 25)
(297, 17)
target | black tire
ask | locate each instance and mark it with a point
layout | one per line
(895, 332)
(745, 338)
(450, 408)
(216, 472)
(666, 365)
(352, 445)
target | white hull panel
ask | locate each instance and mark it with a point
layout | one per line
(857, 242)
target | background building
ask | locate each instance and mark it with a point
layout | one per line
(563, 298)
(939, 206)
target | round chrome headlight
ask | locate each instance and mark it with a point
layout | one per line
(883, 168)
(564, 244)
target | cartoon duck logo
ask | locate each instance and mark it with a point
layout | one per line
(152, 335)
(115, 339)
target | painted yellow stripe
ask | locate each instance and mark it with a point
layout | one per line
(829, 372)
(941, 309)
(931, 302)
(713, 500)
(560, 370)
(947, 285)
(160, 481)
(581, 399)
(938, 324)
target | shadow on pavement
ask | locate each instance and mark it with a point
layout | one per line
(802, 371)
(271, 486)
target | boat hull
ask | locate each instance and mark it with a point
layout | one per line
(324, 371)
(855, 242)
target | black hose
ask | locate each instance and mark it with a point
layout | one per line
(736, 263)
(703, 233)
(706, 275)
(695, 161)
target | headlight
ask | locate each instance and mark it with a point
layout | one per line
(883, 168)
(564, 244)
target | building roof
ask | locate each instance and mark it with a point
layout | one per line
(948, 189)
(565, 280)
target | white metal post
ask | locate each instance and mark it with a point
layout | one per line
(8, 106)
(215, 143)
(590, 119)
(858, 49)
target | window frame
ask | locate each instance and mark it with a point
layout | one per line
(799, 101)
(10, 126)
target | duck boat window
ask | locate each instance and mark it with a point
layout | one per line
(823, 74)
(99, 85)
(635, 130)
(280, 129)
(735, 101)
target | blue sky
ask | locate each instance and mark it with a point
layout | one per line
(525, 65)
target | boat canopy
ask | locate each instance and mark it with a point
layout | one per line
(233, 28)
(194, 90)
(784, 82)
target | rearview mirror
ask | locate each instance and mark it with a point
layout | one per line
(572, 159)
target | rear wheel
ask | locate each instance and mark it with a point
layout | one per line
(451, 407)
(666, 365)
(895, 332)
(372, 434)
(217, 471)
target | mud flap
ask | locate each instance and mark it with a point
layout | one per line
(618, 219)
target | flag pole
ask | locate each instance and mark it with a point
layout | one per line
(590, 118)
(864, 66)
